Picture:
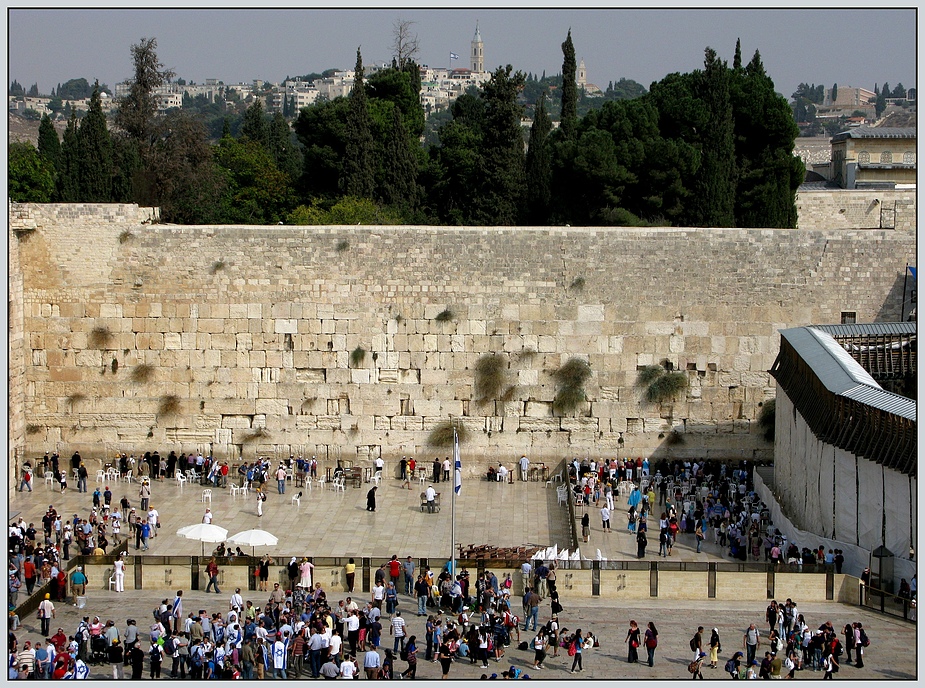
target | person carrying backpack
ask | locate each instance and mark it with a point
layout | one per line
(733, 664)
(860, 642)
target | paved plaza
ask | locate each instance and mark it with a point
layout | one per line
(327, 523)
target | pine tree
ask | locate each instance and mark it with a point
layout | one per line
(95, 146)
(503, 148)
(358, 177)
(283, 147)
(737, 59)
(716, 182)
(49, 144)
(138, 108)
(569, 116)
(400, 186)
(834, 92)
(538, 167)
(68, 186)
(254, 126)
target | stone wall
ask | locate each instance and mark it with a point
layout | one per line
(16, 424)
(242, 339)
(880, 209)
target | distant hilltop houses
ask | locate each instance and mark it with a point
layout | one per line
(440, 86)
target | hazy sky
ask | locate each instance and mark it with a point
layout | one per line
(851, 47)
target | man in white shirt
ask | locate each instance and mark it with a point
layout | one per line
(398, 630)
(207, 516)
(236, 600)
(502, 472)
(430, 494)
(378, 595)
(153, 519)
(605, 518)
(380, 464)
(524, 465)
(348, 668)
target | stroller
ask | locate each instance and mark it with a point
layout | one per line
(98, 653)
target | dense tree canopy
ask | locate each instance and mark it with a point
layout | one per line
(711, 148)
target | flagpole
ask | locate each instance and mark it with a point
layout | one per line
(457, 487)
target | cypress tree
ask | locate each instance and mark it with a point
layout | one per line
(49, 144)
(400, 187)
(569, 116)
(358, 177)
(503, 148)
(539, 167)
(283, 148)
(737, 60)
(716, 181)
(68, 174)
(95, 147)
(254, 126)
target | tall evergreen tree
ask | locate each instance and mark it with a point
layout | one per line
(95, 147)
(569, 116)
(538, 167)
(358, 177)
(138, 108)
(737, 59)
(283, 147)
(68, 186)
(715, 197)
(767, 172)
(834, 92)
(49, 144)
(255, 126)
(400, 186)
(503, 148)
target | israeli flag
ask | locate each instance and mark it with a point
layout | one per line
(454, 56)
(458, 463)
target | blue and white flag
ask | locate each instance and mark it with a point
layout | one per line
(454, 56)
(458, 463)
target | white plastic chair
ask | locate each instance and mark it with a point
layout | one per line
(554, 479)
(49, 477)
(423, 477)
(308, 483)
(207, 494)
(234, 490)
(320, 482)
(561, 495)
(100, 476)
(181, 479)
(112, 580)
(376, 478)
(297, 498)
(338, 484)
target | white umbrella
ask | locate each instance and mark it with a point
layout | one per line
(254, 538)
(204, 532)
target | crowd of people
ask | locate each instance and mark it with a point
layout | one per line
(297, 633)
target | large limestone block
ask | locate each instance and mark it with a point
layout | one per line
(591, 313)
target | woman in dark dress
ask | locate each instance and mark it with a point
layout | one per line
(632, 643)
(371, 499)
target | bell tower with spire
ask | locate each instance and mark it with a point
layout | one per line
(477, 61)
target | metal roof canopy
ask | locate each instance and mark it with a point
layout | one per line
(840, 401)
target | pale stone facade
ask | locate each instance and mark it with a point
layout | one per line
(252, 330)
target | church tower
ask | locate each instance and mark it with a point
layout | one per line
(477, 61)
(582, 79)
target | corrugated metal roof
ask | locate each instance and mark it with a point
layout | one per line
(876, 133)
(841, 374)
(861, 330)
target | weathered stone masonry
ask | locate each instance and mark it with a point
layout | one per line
(251, 329)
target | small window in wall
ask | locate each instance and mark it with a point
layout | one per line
(863, 157)
(886, 157)
(909, 157)
(849, 317)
